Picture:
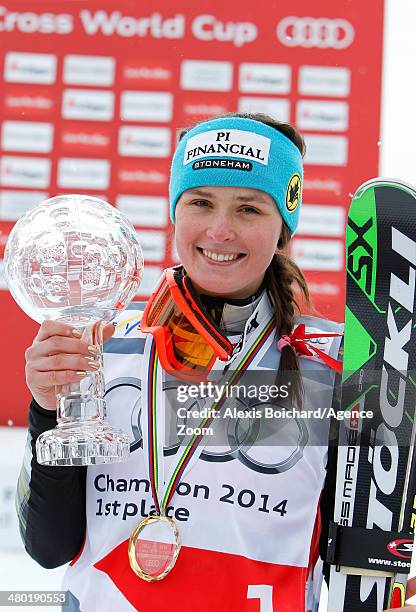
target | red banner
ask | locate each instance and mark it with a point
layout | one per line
(93, 99)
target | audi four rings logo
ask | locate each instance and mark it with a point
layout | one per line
(309, 32)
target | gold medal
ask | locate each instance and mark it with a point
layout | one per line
(154, 547)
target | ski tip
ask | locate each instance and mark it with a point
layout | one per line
(379, 181)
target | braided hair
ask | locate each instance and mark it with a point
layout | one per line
(281, 278)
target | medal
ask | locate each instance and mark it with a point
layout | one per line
(154, 547)
(155, 543)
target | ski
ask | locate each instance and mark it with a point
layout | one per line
(370, 541)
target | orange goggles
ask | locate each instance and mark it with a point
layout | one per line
(188, 341)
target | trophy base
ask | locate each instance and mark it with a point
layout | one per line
(82, 443)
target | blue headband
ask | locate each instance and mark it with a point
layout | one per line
(239, 152)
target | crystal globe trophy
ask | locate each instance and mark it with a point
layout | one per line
(76, 259)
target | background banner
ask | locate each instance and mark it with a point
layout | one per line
(93, 98)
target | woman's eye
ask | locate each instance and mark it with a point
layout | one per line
(200, 203)
(250, 210)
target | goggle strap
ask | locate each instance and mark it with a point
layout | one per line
(205, 321)
(200, 314)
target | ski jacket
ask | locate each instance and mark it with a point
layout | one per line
(248, 512)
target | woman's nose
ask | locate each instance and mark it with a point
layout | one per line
(221, 229)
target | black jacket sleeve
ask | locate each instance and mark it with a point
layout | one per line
(50, 500)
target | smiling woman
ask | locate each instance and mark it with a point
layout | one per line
(226, 316)
(218, 233)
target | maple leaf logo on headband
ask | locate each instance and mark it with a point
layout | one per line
(293, 193)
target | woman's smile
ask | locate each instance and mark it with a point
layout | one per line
(218, 257)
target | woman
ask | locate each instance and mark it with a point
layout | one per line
(247, 501)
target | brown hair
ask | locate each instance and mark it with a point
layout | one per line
(283, 277)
